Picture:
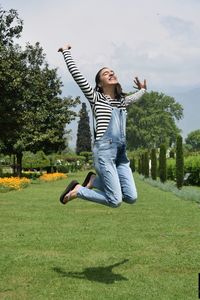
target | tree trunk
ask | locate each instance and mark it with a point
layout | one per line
(19, 164)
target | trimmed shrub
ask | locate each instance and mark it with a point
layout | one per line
(171, 169)
(153, 164)
(139, 165)
(35, 161)
(162, 164)
(31, 174)
(64, 169)
(191, 166)
(179, 162)
(132, 164)
(146, 164)
(87, 155)
(66, 163)
(142, 164)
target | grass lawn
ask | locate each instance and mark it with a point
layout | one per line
(150, 250)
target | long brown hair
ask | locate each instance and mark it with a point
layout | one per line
(118, 89)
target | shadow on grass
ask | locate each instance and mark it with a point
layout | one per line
(100, 274)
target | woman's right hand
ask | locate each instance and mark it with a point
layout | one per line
(65, 47)
(140, 85)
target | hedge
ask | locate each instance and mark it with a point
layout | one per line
(191, 165)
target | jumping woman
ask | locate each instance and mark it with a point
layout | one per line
(113, 181)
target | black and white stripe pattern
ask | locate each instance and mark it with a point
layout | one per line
(100, 103)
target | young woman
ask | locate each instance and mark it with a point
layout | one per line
(114, 181)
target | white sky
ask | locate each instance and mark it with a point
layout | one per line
(158, 40)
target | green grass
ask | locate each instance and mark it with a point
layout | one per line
(150, 250)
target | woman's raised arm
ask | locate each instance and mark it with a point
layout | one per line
(88, 91)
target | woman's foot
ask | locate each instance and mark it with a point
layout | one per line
(89, 179)
(71, 195)
(68, 189)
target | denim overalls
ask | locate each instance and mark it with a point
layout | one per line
(114, 182)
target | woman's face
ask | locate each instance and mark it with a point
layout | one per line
(107, 78)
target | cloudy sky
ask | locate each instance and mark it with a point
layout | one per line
(158, 40)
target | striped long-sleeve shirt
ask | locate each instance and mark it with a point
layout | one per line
(101, 104)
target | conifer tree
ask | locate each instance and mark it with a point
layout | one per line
(146, 164)
(83, 142)
(140, 165)
(132, 164)
(179, 162)
(163, 163)
(153, 164)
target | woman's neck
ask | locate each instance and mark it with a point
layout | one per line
(109, 91)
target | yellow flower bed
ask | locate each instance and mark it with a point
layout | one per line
(53, 176)
(13, 183)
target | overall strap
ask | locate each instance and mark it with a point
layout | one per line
(94, 127)
(93, 122)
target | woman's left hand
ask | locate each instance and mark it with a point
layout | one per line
(140, 85)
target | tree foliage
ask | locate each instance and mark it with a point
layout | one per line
(152, 121)
(83, 142)
(193, 140)
(11, 26)
(33, 115)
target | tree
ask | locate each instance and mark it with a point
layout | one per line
(45, 113)
(179, 162)
(11, 94)
(162, 163)
(151, 121)
(32, 113)
(11, 26)
(146, 164)
(132, 164)
(139, 165)
(83, 142)
(11, 64)
(143, 164)
(153, 164)
(193, 140)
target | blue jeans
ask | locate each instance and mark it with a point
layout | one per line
(114, 182)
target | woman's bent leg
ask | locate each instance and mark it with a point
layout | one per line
(107, 182)
(127, 182)
(97, 197)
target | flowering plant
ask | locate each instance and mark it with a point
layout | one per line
(13, 183)
(52, 176)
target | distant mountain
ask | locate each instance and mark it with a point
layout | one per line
(190, 100)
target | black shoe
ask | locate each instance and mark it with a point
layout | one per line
(87, 178)
(68, 189)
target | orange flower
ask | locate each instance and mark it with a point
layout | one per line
(53, 176)
(13, 183)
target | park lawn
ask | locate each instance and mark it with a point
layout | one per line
(150, 250)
